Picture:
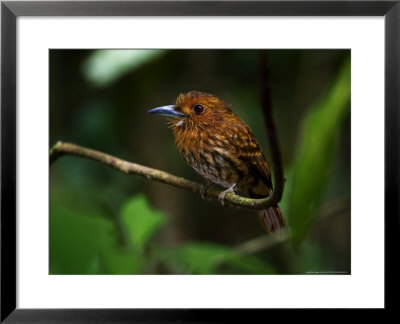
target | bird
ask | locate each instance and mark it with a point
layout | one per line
(222, 148)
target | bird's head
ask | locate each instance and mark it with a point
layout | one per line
(194, 109)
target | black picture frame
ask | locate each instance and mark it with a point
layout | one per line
(10, 10)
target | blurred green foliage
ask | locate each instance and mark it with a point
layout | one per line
(95, 248)
(103, 67)
(207, 258)
(140, 221)
(313, 165)
(104, 222)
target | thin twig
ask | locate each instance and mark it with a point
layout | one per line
(329, 209)
(260, 243)
(266, 104)
(60, 149)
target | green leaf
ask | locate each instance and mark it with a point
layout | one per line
(84, 240)
(123, 262)
(75, 242)
(105, 66)
(208, 258)
(141, 220)
(313, 166)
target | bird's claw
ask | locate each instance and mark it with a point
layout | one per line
(222, 195)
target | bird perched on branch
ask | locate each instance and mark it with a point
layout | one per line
(222, 148)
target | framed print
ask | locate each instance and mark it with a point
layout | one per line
(163, 158)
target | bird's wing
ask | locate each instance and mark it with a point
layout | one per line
(258, 166)
(249, 152)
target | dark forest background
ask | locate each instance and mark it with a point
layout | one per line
(105, 222)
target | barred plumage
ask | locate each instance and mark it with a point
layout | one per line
(221, 147)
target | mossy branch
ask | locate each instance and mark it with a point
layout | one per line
(61, 148)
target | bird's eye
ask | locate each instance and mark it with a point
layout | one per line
(198, 109)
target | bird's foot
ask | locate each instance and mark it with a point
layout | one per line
(222, 195)
(203, 190)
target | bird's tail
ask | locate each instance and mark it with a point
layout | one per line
(273, 220)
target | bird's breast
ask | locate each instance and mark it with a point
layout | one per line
(211, 158)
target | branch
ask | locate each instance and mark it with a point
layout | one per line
(266, 104)
(60, 149)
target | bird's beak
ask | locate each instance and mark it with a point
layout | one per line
(169, 111)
